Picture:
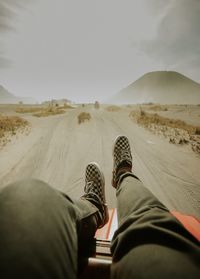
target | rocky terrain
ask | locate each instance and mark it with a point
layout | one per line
(176, 130)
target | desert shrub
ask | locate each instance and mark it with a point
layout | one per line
(42, 111)
(158, 108)
(83, 116)
(135, 114)
(145, 119)
(28, 109)
(10, 124)
(49, 111)
(197, 132)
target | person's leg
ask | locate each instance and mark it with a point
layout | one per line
(41, 228)
(150, 242)
(93, 202)
(92, 211)
(38, 236)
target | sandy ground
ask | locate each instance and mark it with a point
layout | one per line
(188, 113)
(58, 149)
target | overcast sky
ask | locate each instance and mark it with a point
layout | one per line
(86, 50)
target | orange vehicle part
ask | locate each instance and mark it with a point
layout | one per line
(189, 222)
(98, 265)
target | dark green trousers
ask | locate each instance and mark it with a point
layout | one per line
(41, 230)
(150, 242)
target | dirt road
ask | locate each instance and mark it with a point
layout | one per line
(58, 149)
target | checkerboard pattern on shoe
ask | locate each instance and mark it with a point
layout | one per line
(95, 189)
(121, 157)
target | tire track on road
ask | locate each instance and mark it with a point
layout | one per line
(174, 191)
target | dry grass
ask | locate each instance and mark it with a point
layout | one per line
(10, 124)
(158, 108)
(49, 111)
(177, 131)
(113, 108)
(83, 116)
(28, 109)
(43, 111)
(145, 119)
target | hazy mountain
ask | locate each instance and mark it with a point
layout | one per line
(164, 87)
(8, 98)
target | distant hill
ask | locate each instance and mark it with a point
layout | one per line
(7, 98)
(164, 87)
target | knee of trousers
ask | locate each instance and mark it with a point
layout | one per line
(23, 190)
(38, 226)
(31, 197)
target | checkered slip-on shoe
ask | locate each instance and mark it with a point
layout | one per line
(122, 158)
(95, 191)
